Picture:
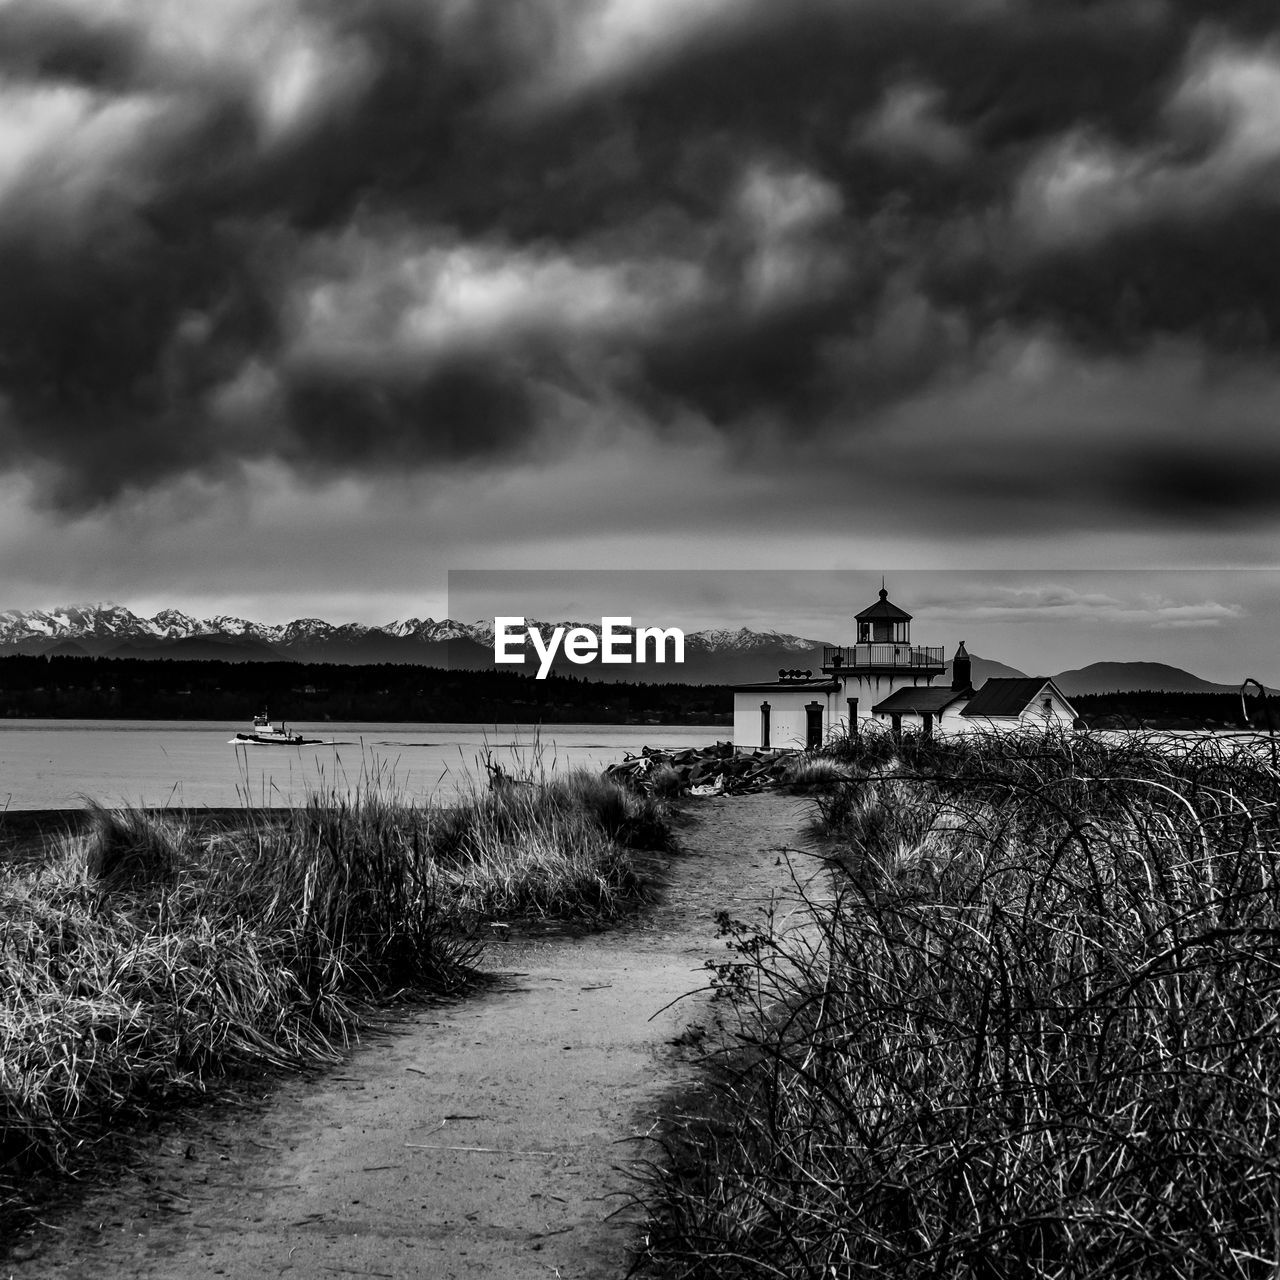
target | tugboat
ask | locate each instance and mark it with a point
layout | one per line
(268, 734)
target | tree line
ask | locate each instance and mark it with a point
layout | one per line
(69, 687)
(1156, 709)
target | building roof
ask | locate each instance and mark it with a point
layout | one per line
(927, 698)
(1011, 696)
(882, 609)
(819, 684)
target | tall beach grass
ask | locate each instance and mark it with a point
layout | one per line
(1034, 1032)
(140, 962)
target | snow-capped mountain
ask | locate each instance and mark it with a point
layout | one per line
(172, 624)
(721, 640)
(447, 629)
(107, 629)
(715, 656)
(76, 621)
(227, 626)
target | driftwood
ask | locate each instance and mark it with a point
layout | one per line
(715, 770)
(499, 778)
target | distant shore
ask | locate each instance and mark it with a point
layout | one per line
(64, 687)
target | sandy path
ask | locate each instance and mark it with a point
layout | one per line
(491, 1137)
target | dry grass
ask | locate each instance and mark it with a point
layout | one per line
(140, 963)
(1038, 1037)
(812, 772)
(562, 849)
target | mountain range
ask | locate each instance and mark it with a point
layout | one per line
(713, 656)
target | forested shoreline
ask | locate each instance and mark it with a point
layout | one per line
(133, 689)
(1156, 709)
(67, 687)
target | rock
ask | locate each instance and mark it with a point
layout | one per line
(713, 770)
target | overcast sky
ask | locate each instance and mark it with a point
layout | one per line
(304, 303)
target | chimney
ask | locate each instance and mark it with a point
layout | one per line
(961, 669)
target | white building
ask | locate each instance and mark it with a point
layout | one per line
(1023, 702)
(883, 677)
(801, 710)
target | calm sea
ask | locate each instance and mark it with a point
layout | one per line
(57, 764)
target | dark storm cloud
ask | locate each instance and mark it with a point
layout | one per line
(1199, 485)
(386, 235)
(458, 410)
(45, 41)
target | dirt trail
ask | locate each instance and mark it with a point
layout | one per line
(491, 1137)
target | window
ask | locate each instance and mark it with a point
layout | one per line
(883, 631)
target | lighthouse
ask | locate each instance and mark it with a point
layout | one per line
(803, 709)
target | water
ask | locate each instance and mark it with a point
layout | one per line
(58, 764)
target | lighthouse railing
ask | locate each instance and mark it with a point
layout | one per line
(903, 656)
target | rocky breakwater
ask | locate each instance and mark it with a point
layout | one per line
(702, 771)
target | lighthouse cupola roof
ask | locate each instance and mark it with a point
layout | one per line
(884, 610)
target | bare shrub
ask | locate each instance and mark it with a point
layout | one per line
(1036, 1038)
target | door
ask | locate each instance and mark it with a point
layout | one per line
(813, 726)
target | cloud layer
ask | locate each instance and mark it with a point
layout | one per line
(1008, 258)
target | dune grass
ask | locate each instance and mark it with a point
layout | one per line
(1035, 1032)
(562, 849)
(812, 771)
(142, 963)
